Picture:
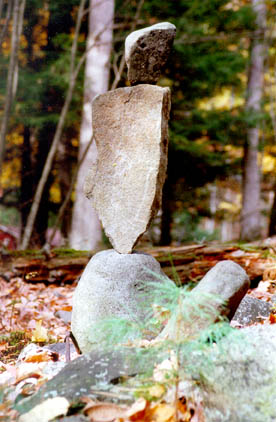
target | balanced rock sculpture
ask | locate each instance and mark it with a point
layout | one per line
(130, 127)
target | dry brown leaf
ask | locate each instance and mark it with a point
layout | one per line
(198, 415)
(184, 413)
(269, 274)
(36, 375)
(137, 411)
(104, 412)
(66, 308)
(272, 318)
(39, 357)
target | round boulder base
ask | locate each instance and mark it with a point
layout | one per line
(112, 286)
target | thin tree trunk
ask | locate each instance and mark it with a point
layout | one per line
(250, 220)
(86, 228)
(272, 221)
(68, 195)
(166, 218)
(19, 32)
(18, 12)
(47, 168)
(7, 20)
(27, 177)
(1, 8)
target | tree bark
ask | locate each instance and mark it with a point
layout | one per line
(74, 70)
(250, 219)
(272, 220)
(18, 12)
(86, 228)
(7, 20)
(27, 177)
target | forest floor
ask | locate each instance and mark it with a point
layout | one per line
(36, 287)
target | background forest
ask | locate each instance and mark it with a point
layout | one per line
(57, 55)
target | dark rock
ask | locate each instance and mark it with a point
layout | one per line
(251, 310)
(73, 418)
(97, 369)
(147, 51)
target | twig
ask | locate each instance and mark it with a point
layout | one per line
(72, 337)
(68, 195)
(123, 61)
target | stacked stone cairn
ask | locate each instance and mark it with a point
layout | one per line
(130, 127)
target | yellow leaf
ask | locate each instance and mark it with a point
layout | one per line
(163, 413)
(46, 410)
(227, 206)
(156, 390)
(40, 333)
(268, 163)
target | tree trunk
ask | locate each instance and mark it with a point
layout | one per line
(86, 228)
(27, 178)
(272, 221)
(250, 220)
(6, 22)
(18, 12)
(166, 218)
(65, 174)
(74, 71)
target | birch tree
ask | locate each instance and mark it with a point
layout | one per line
(86, 228)
(250, 218)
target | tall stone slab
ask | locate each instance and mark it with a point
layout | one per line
(147, 51)
(130, 126)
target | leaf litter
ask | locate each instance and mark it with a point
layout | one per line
(29, 315)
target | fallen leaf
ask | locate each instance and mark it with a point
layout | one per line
(39, 334)
(137, 411)
(67, 308)
(44, 356)
(163, 413)
(47, 410)
(272, 318)
(103, 412)
(198, 415)
(166, 369)
(156, 390)
(269, 273)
